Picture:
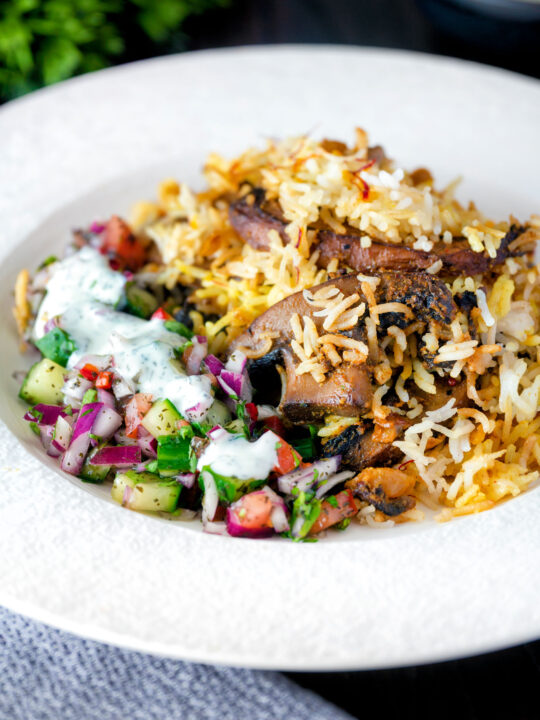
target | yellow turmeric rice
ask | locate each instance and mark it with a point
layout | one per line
(464, 459)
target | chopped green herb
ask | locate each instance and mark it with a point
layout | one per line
(306, 509)
(48, 261)
(178, 328)
(57, 346)
(230, 488)
(243, 416)
(332, 501)
(90, 396)
(307, 446)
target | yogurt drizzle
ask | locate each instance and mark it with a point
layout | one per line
(233, 455)
(82, 291)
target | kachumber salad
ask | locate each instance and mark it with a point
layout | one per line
(317, 338)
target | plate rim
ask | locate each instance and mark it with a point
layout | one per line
(118, 639)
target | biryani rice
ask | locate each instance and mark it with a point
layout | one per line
(464, 459)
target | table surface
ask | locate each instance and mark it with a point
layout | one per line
(501, 684)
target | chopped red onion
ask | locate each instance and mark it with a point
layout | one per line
(101, 362)
(74, 388)
(62, 434)
(305, 478)
(266, 411)
(217, 433)
(198, 411)
(197, 355)
(46, 434)
(186, 479)
(214, 365)
(106, 423)
(147, 444)
(121, 456)
(279, 519)
(122, 388)
(45, 414)
(97, 227)
(74, 456)
(237, 362)
(323, 486)
(51, 324)
(210, 498)
(214, 528)
(279, 516)
(107, 398)
(121, 438)
(236, 385)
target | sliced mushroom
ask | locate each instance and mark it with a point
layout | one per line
(359, 450)
(253, 217)
(384, 488)
(347, 388)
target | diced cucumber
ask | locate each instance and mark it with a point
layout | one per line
(154, 497)
(146, 496)
(142, 477)
(94, 473)
(56, 345)
(161, 419)
(121, 480)
(218, 414)
(174, 453)
(43, 383)
(140, 302)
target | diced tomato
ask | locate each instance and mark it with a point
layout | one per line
(104, 380)
(344, 506)
(89, 371)
(121, 242)
(161, 314)
(275, 424)
(136, 409)
(251, 516)
(252, 411)
(287, 458)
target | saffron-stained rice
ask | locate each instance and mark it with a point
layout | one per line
(465, 459)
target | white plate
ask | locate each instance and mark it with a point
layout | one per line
(363, 599)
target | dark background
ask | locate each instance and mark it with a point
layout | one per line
(433, 26)
(505, 684)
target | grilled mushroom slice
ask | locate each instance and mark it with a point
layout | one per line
(252, 216)
(384, 488)
(347, 388)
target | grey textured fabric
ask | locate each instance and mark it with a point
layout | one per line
(47, 674)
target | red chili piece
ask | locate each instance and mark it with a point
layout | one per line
(161, 314)
(252, 411)
(104, 380)
(90, 372)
